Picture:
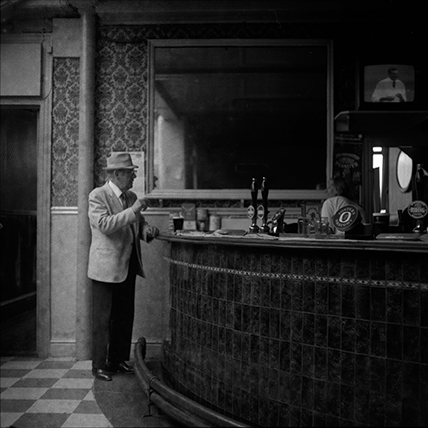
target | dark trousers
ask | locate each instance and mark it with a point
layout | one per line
(112, 320)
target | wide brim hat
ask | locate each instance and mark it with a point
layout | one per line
(119, 160)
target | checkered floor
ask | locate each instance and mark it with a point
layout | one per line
(54, 392)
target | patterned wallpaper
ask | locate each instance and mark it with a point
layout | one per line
(122, 91)
(65, 131)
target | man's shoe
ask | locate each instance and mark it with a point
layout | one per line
(101, 374)
(121, 367)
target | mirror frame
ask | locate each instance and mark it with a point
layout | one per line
(239, 194)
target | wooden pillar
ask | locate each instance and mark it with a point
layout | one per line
(85, 184)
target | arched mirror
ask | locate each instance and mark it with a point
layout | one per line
(222, 112)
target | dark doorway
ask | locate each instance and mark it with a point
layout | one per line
(18, 230)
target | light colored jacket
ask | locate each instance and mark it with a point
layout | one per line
(114, 231)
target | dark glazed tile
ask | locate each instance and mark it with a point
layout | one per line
(348, 368)
(411, 380)
(362, 268)
(286, 287)
(378, 304)
(274, 353)
(273, 414)
(264, 351)
(377, 267)
(254, 408)
(296, 358)
(285, 261)
(284, 415)
(274, 323)
(348, 334)
(237, 316)
(319, 420)
(307, 393)
(334, 265)
(393, 410)
(246, 318)
(321, 266)
(377, 409)
(424, 306)
(264, 321)
(297, 265)
(263, 381)
(378, 339)
(320, 396)
(254, 349)
(411, 268)
(362, 371)
(297, 296)
(222, 313)
(295, 390)
(394, 377)
(263, 410)
(377, 374)
(254, 378)
(320, 356)
(411, 344)
(333, 399)
(273, 384)
(266, 261)
(264, 292)
(362, 302)
(424, 345)
(347, 402)
(334, 330)
(411, 307)
(308, 361)
(394, 305)
(348, 300)
(308, 329)
(255, 291)
(394, 268)
(275, 293)
(246, 288)
(321, 298)
(275, 262)
(348, 266)
(321, 329)
(234, 283)
(285, 325)
(334, 372)
(362, 400)
(296, 326)
(309, 296)
(295, 413)
(284, 387)
(255, 320)
(394, 341)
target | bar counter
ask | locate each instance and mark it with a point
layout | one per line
(299, 331)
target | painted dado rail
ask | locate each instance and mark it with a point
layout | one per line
(300, 332)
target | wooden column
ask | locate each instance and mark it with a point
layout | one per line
(85, 184)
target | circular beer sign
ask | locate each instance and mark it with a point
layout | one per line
(417, 209)
(346, 218)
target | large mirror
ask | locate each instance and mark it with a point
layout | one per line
(222, 112)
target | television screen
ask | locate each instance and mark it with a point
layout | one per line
(389, 83)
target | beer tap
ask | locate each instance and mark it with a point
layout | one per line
(265, 191)
(252, 209)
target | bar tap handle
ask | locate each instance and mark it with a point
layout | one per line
(253, 212)
(265, 192)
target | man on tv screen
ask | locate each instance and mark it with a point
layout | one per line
(391, 89)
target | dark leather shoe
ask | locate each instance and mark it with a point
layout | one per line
(121, 367)
(101, 374)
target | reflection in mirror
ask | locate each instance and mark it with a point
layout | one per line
(226, 111)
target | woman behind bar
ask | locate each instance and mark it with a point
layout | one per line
(339, 194)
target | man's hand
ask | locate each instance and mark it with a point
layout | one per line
(151, 233)
(400, 97)
(140, 204)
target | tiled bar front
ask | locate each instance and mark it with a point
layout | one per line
(300, 336)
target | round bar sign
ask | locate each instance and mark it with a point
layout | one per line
(346, 218)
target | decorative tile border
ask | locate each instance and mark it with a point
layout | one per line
(340, 280)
